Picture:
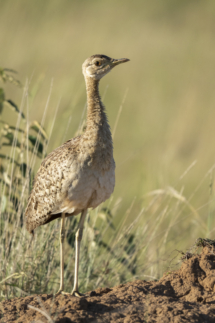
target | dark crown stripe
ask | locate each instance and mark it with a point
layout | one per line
(100, 56)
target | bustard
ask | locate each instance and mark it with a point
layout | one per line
(80, 174)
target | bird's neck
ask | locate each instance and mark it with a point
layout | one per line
(97, 122)
(97, 136)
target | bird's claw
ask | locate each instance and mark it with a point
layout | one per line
(73, 293)
(77, 294)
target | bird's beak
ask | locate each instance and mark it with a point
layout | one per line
(119, 61)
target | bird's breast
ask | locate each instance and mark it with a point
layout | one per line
(89, 187)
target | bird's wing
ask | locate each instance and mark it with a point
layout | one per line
(48, 188)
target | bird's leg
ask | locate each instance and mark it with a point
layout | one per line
(78, 238)
(62, 236)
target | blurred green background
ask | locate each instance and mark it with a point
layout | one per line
(165, 97)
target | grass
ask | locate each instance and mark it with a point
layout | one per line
(161, 109)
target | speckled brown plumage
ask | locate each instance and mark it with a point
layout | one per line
(71, 178)
(80, 173)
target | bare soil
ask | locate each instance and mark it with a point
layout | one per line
(186, 295)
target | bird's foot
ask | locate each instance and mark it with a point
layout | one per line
(77, 294)
(61, 292)
(73, 293)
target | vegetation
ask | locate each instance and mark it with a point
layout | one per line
(32, 266)
(161, 109)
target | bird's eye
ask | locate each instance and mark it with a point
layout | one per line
(98, 63)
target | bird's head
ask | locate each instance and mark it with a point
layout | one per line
(97, 66)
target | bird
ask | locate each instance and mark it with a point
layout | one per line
(80, 174)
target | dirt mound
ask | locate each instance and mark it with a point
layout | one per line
(186, 295)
